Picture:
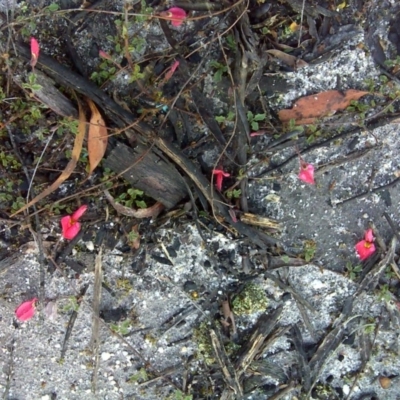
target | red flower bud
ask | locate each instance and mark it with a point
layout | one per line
(34, 51)
(26, 310)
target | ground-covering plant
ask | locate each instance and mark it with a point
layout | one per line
(310, 248)
(254, 120)
(250, 300)
(219, 69)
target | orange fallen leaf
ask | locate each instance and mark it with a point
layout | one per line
(309, 108)
(97, 137)
(76, 152)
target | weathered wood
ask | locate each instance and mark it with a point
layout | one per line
(49, 95)
(157, 178)
(148, 172)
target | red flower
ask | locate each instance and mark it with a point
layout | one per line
(26, 310)
(70, 225)
(34, 51)
(306, 173)
(175, 14)
(219, 177)
(365, 248)
(173, 68)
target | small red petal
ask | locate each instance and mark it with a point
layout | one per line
(258, 133)
(233, 215)
(176, 15)
(34, 51)
(306, 173)
(369, 235)
(173, 68)
(79, 212)
(220, 174)
(219, 181)
(26, 310)
(66, 222)
(72, 231)
(105, 55)
(365, 249)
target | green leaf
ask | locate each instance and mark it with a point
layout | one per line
(141, 204)
(135, 192)
(237, 193)
(230, 116)
(216, 64)
(218, 76)
(259, 117)
(53, 7)
(220, 118)
(250, 116)
(254, 126)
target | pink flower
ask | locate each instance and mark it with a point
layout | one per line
(175, 14)
(105, 55)
(34, 51)
(26, 310)
(365, 248)
(219, 177)
(258, 133)
(173, 68)
(306, 173)
(70, 225)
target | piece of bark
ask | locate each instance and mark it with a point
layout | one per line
(265, 324)
(50, 96)
(149, 173)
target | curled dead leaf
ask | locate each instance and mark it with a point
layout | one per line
(148, 212)
(76, 152)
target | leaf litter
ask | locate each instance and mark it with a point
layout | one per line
(310, 281)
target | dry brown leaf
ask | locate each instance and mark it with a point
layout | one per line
(97, 137)
(76, 152)
(288, 59)
(309, 108)
(149, 212)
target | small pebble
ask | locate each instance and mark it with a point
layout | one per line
(346, 389)
(385, 382)
(105, 356)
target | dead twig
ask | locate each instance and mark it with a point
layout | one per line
(230, 374)
(98, 277)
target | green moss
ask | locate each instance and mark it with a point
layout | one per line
(251, 299)
(179, 395)
(202, 337)
(140, 376)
